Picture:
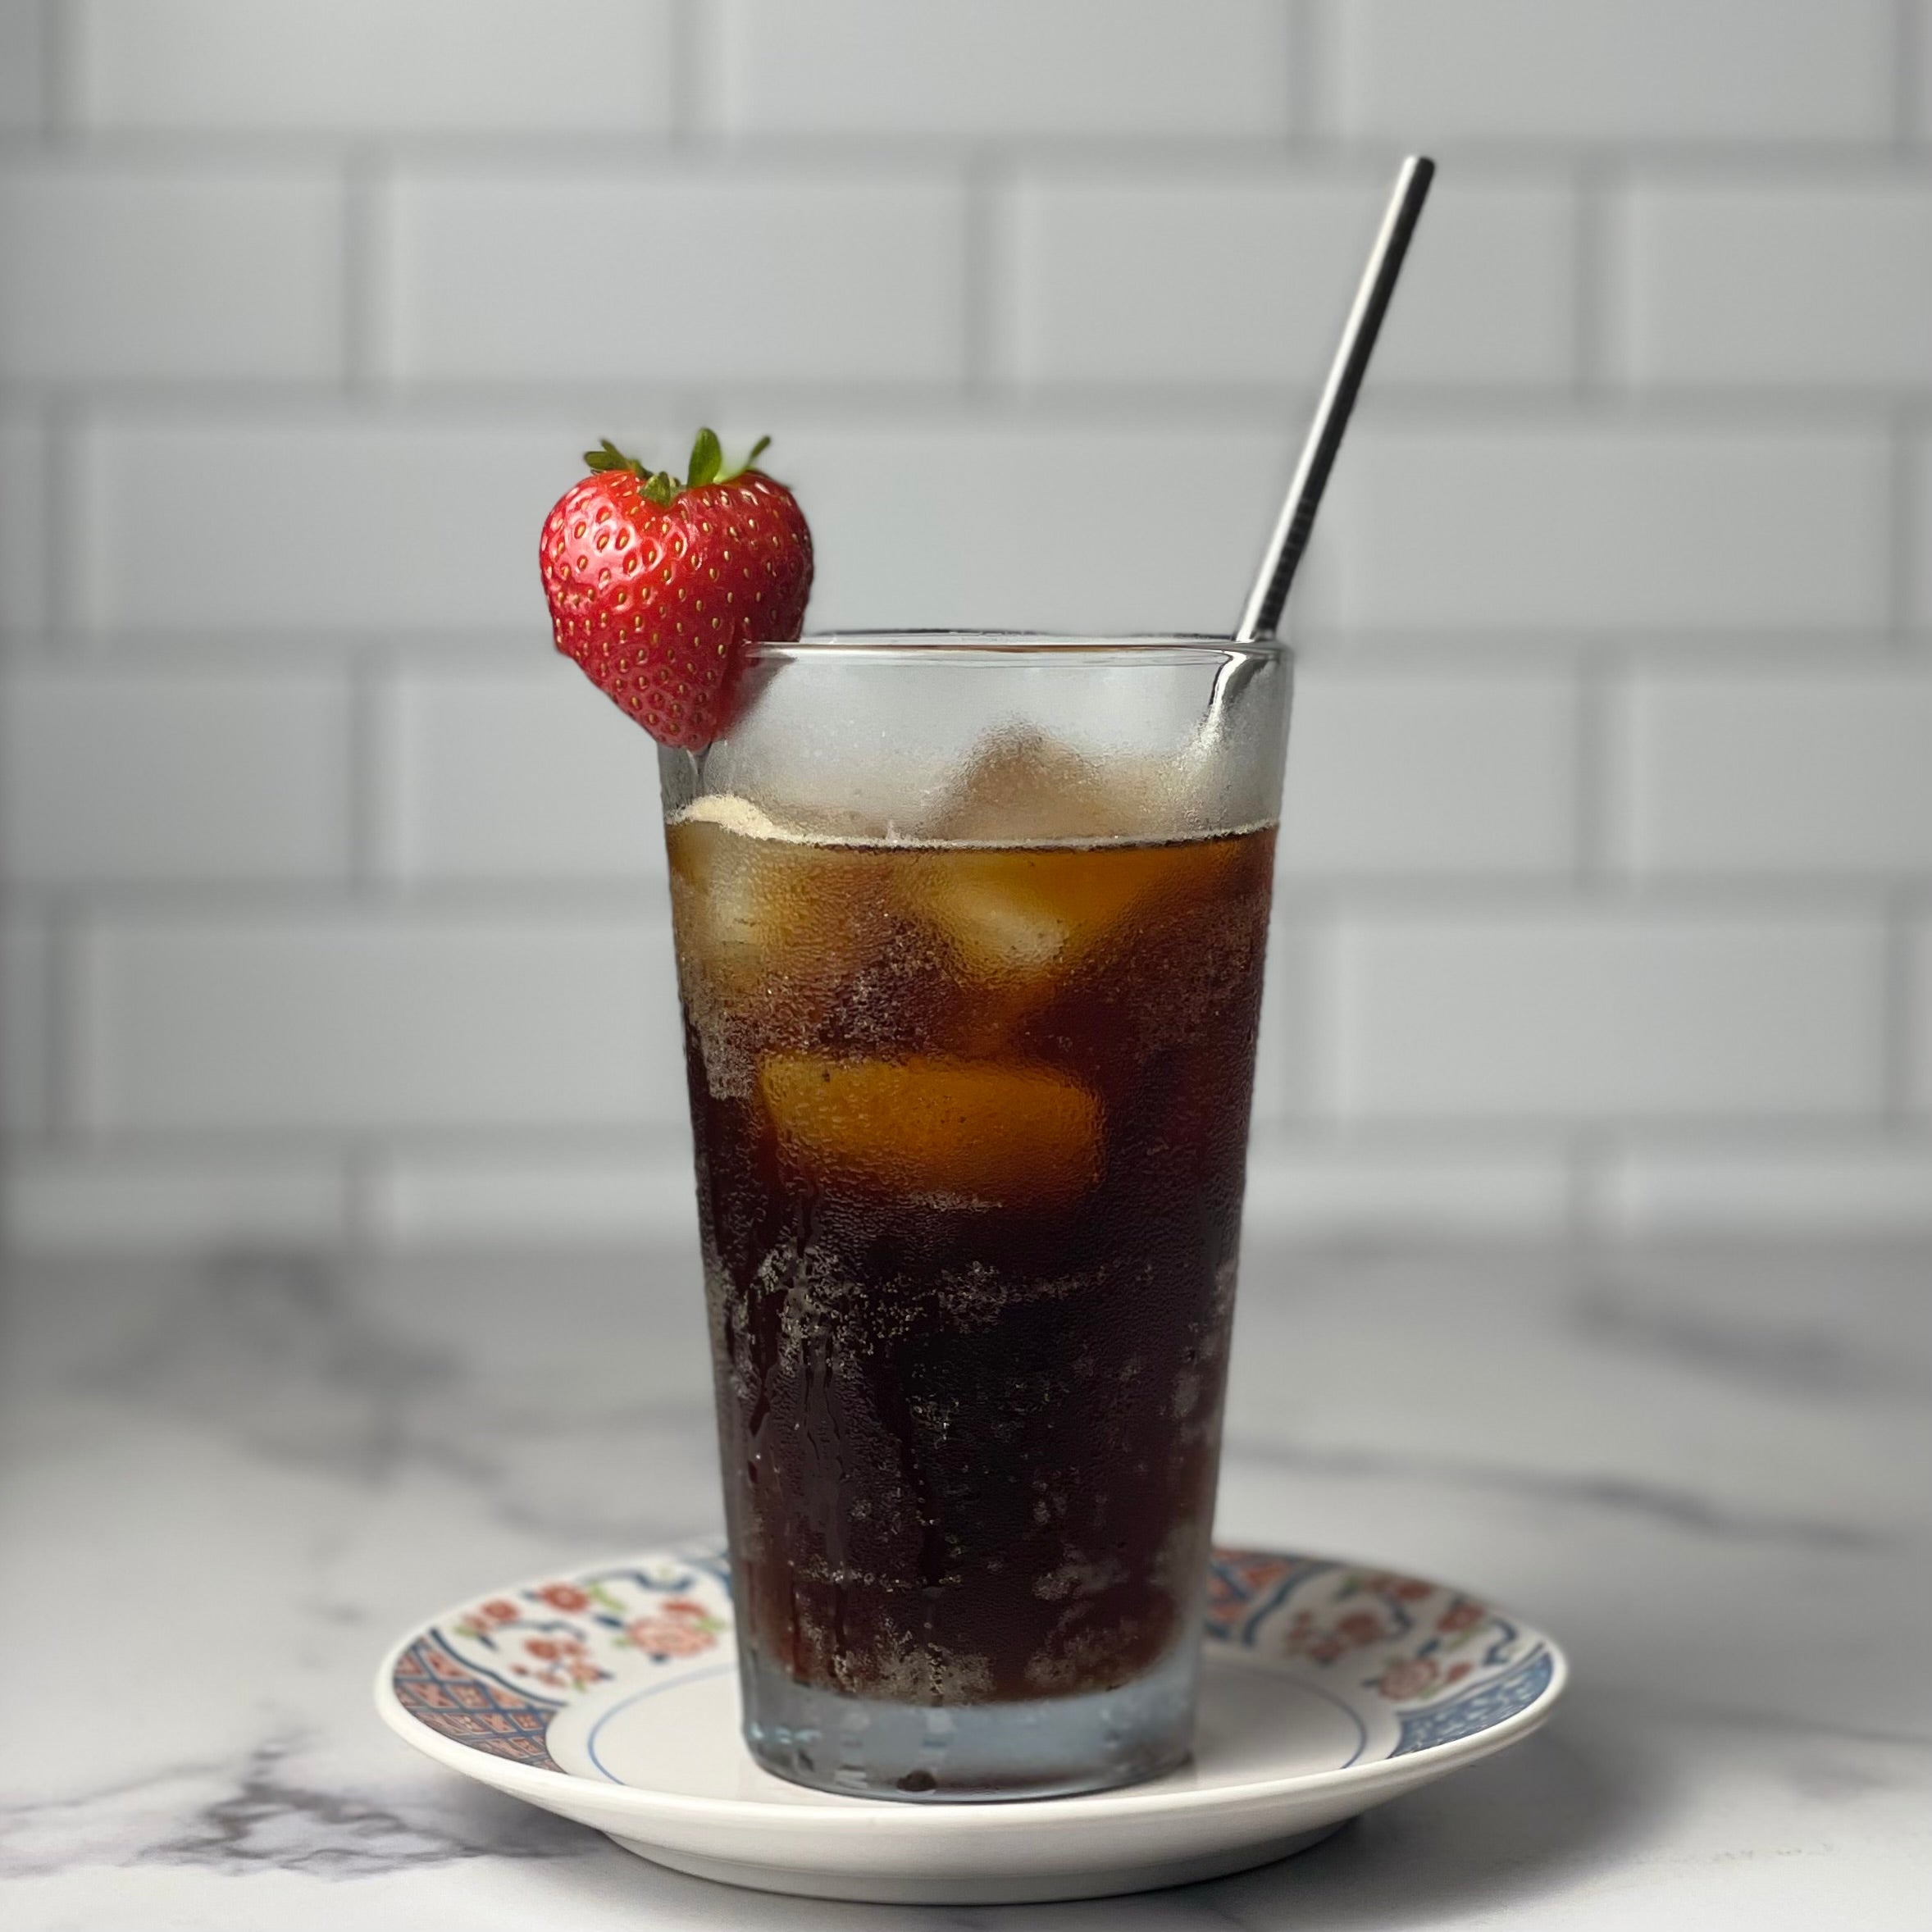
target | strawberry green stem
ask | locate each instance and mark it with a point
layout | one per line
(661, 486)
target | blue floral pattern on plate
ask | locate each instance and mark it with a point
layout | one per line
(1443, 1663)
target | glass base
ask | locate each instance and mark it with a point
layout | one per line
(1051, 1747)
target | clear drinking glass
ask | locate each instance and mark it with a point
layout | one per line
(970, 932)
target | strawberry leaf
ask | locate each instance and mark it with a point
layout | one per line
(607, 455)
(707, 458)
(660, 486)
(738, 470)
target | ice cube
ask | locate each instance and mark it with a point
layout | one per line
(1000, 920)
(1022, 788)
(764, 915)
(1021, 920)
(730, 908)
(979, 1131)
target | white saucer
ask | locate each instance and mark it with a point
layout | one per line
(610, 1695)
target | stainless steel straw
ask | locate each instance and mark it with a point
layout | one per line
(1263, 609)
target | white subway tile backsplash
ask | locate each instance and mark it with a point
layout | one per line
(23, 54)
(514, 775)
(301, 524)
(1777, 281)
(913, 524)
(1148, 278)
(332, 898)
(26, 1026)
(56, 1203)
(1444, 774)
(124, 271)
(1327, 1193)
(1589, 1015)
(23, 524)
(775, 276)
(110, 777)
(1135, 68)
(1826, 772)
(1810, 1189)
(1594, 526)
(362, 67)
(1032, 527)
(1611, 70)
(381, 1020)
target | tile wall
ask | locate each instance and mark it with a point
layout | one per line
(333, 903)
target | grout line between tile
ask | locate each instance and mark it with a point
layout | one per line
(1554, 650)
(1593, 287)
(66, 964)
(1903, 560)
(59, 63)
(59, 479)
(688, 98)
(1129, 147)
(1308, 80)
(366, 779)
(1444, 407)
(365, 295)
(984, 270)
(1897, 1017)
(1597, 771)
(1587, 1154)
(1907, 60)
(358, 1169)
(35, 928)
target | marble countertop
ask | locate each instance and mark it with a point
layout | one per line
(225, 1487)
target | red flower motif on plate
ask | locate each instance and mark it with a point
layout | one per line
(1403, 1678)
(566, 1660)
(1352, 1630)
(1404, 1589)
(669, 1637)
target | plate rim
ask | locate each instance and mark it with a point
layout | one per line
(868, 1815)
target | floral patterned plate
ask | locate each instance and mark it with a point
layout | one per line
(610, 1695)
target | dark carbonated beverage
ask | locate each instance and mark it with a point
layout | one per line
(971, 1121)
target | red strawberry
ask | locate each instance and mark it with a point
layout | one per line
(656, 586)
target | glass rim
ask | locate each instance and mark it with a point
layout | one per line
(1003, 647)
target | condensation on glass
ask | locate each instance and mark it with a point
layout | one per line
(970, 936)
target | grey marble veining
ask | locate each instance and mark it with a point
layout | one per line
(224, 1488)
